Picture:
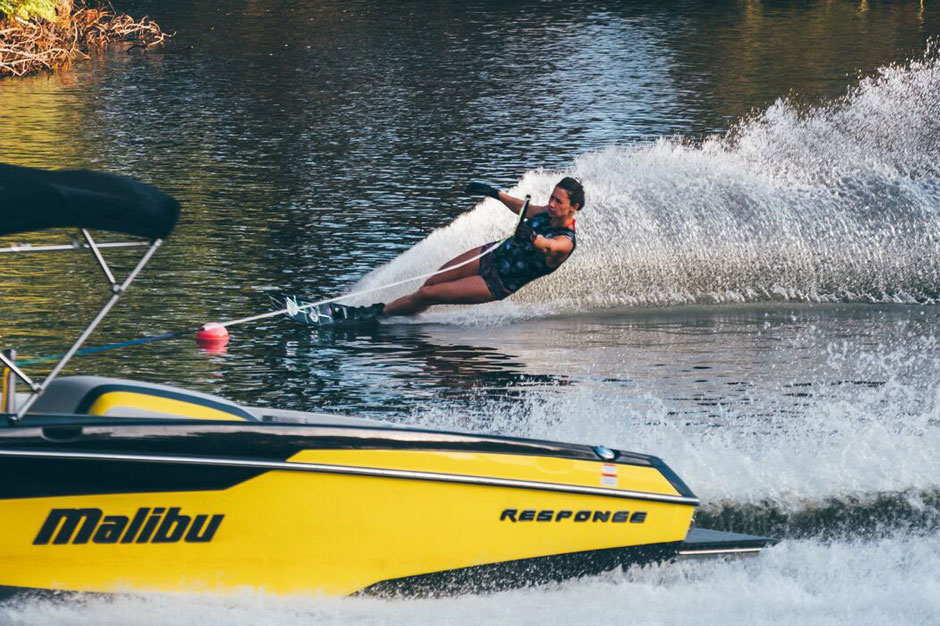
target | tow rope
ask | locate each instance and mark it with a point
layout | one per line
(214, 334)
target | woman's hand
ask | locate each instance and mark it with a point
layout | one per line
(524, 232)
(482, 189)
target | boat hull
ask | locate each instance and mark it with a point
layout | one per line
(300, 510)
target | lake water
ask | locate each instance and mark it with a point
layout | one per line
(754, 297)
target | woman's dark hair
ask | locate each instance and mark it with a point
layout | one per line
(574, 189)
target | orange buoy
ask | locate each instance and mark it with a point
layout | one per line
(212, 337)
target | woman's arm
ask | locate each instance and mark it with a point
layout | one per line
(552, 247)
(559, 245)
(514, 204)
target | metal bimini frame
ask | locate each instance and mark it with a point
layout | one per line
(117, 290)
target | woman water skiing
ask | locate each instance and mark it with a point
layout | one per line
(542, 242)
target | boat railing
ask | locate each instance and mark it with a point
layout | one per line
(34, 199)
(74, 245)
(12, 373)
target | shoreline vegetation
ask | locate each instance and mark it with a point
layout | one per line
(44, 35)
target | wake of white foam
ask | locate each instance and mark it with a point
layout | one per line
(836, 449)
(845, 438)
(802, 582)
(840, 202)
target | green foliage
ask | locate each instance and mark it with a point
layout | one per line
(28, 8)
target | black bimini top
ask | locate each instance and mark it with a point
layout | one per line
(33, 199)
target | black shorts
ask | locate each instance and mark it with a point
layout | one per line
(490, 276)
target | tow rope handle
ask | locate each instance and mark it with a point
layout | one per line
(522, 211)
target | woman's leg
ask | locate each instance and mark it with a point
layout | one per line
(469, 290)
(470, 269)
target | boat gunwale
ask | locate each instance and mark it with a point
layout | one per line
(546, 447)
(357, 471)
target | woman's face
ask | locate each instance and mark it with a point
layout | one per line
(559, 204)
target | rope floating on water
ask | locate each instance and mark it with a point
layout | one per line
(110, 346)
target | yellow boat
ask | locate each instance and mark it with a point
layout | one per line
(112, 485)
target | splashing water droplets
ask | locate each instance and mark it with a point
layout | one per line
(833, 203)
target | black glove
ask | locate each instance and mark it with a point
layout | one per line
(524, 232)
(482, 189)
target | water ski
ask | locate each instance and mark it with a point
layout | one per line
(331, 314)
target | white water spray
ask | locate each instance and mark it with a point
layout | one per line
(804, 582)
(835, 203)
